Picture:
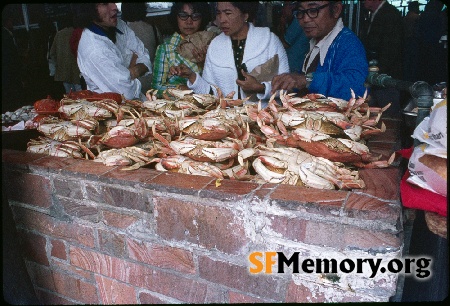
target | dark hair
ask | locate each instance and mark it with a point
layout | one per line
(333, 6)
(413, 6)
(250, 8)
(197, 7)
(84, 14)
(134, 11)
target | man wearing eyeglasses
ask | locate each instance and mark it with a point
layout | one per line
(336, 62)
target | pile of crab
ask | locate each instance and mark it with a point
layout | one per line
(311, 141)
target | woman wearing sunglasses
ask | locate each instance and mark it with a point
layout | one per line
(237, 50)
(188, 18)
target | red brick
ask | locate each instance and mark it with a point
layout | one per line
(119, 197)
(86, 275)
(179, 183)
(289, 228)
(302, 294)
(34, 247)
(18, 159)
(119, 220)
(324, 234)
(229, 190)
(75, 288)
(187, 290)
(175, 220)
(50, 298)
(29, 189)
(381, 183)
(129, 178)
(73, 207)
(87, 168)
(370, 240)
(58, 249)
(47, 225)
(148, 298)
(161, 256)
(238, 277)
(183, 289)
(297, 198)
(208, 226)
(216, 294)
(362, 206)
(114, 292)
(41, 276)
(68, 188)
(52, 163)
(219, 229)
(235, 297)
(112, 242)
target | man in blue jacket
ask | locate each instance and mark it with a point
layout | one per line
(336, 62)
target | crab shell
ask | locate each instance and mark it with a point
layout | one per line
(295, 167)
(207, 151)
(334, 149)
(205, 128)
(52, 147)
(67, 130)
(119, 137)
(182, 164)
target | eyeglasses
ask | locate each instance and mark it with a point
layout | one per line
(312, 12)
(194, 16)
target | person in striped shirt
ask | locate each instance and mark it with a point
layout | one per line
(188, 18)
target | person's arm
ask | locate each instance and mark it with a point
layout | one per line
(104, 67)
(142, 63)
(200, 84)
(160, 69)
(349, 69)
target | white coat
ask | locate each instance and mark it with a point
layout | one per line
(220, 70)
(104, 65)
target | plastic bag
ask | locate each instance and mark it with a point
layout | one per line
(428, 162)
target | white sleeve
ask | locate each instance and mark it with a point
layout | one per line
(137, 46)
(106, 70)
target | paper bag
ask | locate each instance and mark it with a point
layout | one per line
(265, 72)
(197, 40)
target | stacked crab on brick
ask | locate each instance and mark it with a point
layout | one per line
(208, 142)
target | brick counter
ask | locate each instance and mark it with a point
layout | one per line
(98, 235)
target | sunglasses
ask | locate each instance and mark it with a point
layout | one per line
(312, 12)
(194, 16)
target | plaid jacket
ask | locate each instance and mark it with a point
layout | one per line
(165, 57)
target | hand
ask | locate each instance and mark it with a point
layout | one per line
(250, 84)
(133, 60)
(288, 81)
(183, 71)
(136, 70)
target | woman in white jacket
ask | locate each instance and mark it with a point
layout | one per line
(239, 43)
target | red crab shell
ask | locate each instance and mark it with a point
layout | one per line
(94, 96)
(108, 95)
(81, 94)
(46, 106)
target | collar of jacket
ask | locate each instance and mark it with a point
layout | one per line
(258, 40)
(100, 31)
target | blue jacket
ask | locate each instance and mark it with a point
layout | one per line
(345, 67)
